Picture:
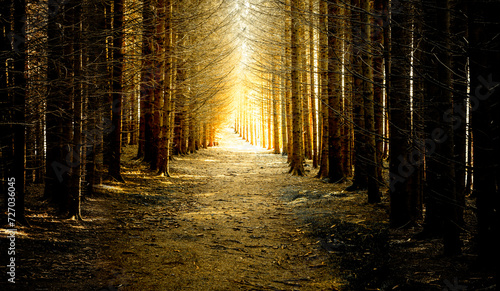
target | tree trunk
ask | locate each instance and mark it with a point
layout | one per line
(275, 102)
(59, 108)
(158, 84)
(441, 204)
(312, 85)
(284, 111)
(288, 83)
(360, 180)
(305, 96)
(380, 22)
(74, 195)
(459, 114)
(270, 98)
(146, 84)
(398, 92)
(371, 161)
(335, 170)
(296, 161)
(323, 89)
(116, 106)
(263, 112)
(163, 154)
(94, 23)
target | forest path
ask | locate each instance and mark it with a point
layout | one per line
(229, 218)
(224, 221)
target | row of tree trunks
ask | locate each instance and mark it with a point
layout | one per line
(391, 83)
(13, 92)
(422, 59)
(69, 84)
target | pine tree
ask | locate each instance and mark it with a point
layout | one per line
(296, 162)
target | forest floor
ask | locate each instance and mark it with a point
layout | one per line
(229, 218)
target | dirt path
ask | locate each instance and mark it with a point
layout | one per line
(220, 223)
(229, 218)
